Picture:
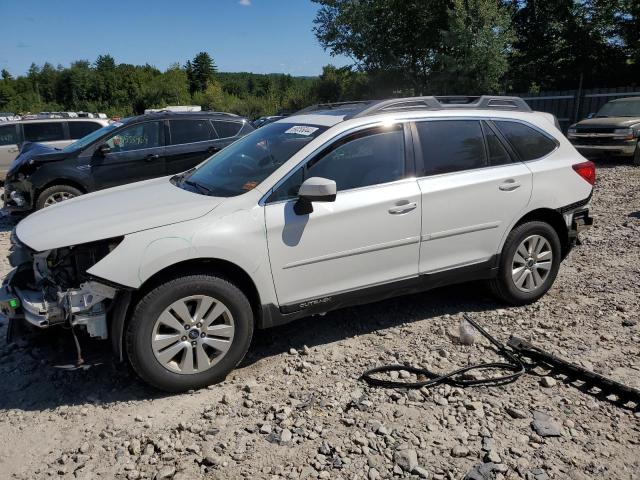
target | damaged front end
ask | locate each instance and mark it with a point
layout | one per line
(53, 288)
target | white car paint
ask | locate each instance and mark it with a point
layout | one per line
(354, 242)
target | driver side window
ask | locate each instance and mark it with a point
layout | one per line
(366, 158)
(136, 137)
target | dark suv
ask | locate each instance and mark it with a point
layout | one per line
(614, 130)
(134, 149)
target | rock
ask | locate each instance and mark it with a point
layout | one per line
(545, 426)
(516, 413)
(134, 447)
(459, 451)
(84, 448)
(286, 436)
(629, 322)
(165, 473)
(548, 382)
(407, 460)
(421, 472)
(492, 457)
(265, 428)
(481, 471)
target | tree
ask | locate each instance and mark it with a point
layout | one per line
(201, 71)
(401, 37)
(474, 54)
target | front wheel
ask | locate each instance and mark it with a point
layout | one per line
(189, 332)
(529, 263)
(56, 194)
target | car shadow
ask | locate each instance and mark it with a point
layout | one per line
(8, 221)
(38, 373)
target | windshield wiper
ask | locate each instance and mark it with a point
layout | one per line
(199, 186)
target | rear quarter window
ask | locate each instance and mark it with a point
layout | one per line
(226, 129)
(529, 143)
(8, 135)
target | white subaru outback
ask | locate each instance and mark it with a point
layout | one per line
(340, 204)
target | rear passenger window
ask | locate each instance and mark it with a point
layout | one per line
(189, 131)
(43, 132)
(498, 155)
(451, 145)
(8, 135)
(526, 141)
(78, 130)
(227, 129)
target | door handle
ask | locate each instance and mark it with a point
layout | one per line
(509, 185)
(402, 207)
(151, 156)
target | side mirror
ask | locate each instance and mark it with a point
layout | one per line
(103, 150)
(314, 189)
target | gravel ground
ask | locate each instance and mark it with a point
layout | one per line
(295, 409)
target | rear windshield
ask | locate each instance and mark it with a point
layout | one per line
(241, 166)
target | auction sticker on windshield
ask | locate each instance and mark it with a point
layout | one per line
(301, 130)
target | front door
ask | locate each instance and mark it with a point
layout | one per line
(136, 153)
(367, 237)
(472, 189)
(8, 147)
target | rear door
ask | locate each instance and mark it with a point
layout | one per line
(9, 148)
(136, 153)
(472, 189)
(190, 142)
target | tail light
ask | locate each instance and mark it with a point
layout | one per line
(586, 170)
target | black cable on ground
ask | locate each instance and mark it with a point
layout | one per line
(513, 364)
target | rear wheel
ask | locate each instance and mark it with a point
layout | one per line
(189, 332)
(56, 194)
(529, 263)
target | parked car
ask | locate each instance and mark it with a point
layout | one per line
(134, 149)
(262, 121)
(52, 132)
(329, 208)
(614, 131)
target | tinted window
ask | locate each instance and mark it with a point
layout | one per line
(527, 142)
(370, 158)
(81, 129)
(136, 137)
(226, 129)
(189, 131)
(8, 135)
(451, 145)
(43, 132)
(498, 155)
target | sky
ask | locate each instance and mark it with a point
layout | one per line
(260, 36)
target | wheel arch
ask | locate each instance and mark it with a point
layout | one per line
(60, 181)
(224, 268)
(553, 218)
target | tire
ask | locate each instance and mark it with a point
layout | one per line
(60, 192)
(152, 323)
(635, 160)
(504, 285)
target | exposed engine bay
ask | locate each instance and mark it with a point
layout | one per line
(52, 287)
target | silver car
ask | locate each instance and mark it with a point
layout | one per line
(54, 132)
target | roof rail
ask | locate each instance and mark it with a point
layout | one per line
(490, 102)
(333, 106)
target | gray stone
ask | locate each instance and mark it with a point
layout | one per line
(165, 473)
(459, 451)
(515, 413)
(286, 436)
(546, 426)
(548, 382)
(407, 460)
(481, 471)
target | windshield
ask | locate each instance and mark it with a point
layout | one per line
(630, 108)
(87, 139)
(241, 166)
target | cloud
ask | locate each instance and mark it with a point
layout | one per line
(245, 3)
(23, 45)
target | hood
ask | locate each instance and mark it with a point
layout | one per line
(38, 153)
(609, 122)
(112, 213)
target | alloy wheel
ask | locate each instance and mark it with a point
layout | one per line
(192, 334)
(57, 198)
(531, 263)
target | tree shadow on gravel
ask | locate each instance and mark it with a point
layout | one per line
(33, 377)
